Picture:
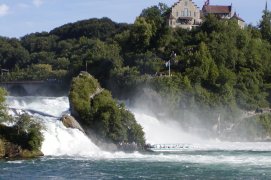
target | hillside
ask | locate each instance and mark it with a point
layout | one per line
(218, 68)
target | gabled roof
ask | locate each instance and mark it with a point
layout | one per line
(176, 3)
(235, 16)
(216, 9)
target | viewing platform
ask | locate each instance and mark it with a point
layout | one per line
(167, 147)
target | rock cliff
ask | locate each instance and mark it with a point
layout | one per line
(11, 150)
(100, 114)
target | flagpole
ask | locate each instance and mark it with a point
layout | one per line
(173, 55)
(169, 68)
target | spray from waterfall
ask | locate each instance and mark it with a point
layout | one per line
(62, 141)
(163, 132)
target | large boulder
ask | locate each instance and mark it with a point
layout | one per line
(100, 114)
(70, 122)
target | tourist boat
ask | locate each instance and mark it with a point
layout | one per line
(167, 147)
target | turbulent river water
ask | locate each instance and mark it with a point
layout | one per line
(69, 154)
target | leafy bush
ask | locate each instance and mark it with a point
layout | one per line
(98, 111)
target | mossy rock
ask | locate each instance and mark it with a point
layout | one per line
(11, 150)
(2, 148)
(96, 110)
(70, 122)
(31, 154)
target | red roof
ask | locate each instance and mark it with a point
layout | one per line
(216, 9)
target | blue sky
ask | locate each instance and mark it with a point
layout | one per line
(21, 17)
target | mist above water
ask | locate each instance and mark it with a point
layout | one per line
(163, 132)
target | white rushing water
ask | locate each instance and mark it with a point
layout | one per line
(58, 140)
(62, 141)
(157, 132)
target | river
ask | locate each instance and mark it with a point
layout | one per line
(69, 154)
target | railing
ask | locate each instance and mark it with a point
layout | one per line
(33, 81)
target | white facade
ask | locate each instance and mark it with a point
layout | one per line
(184, 14)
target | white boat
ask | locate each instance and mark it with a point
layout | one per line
(167, 147)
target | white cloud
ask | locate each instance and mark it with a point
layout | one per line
(37, 3)
(4, 9)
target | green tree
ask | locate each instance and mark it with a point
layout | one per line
(265, 25)
(141, 34)
(29, 132)
(3, 111)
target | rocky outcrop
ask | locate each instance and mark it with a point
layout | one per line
(11, 150)
(2, 148)
(70, 122)
(101, 116)
(14, 145)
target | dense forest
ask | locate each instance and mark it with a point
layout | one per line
(217, 68)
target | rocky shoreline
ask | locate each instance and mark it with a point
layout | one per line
(11, 150)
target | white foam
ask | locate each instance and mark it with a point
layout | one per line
(15, 162)
(58, 140)
(157, 132)
(54, 106)
(61, 141)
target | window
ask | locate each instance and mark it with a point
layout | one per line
(195, 14)
(190, 13)
(182, 13)
(185, 12)
(185, 3)
(177, 14)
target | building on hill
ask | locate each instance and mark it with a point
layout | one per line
(223, 12)
(239, 20)
(184, 14)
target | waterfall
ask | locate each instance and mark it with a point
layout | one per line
(62, 141)
(58, 140)
(170, 132)
(163, 132)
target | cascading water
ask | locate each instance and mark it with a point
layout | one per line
(170, 132)
(69, 150)
(62, 141)
(158, 132)
(58, 140)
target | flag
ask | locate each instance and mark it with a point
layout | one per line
(167, 63)
(207, 3)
